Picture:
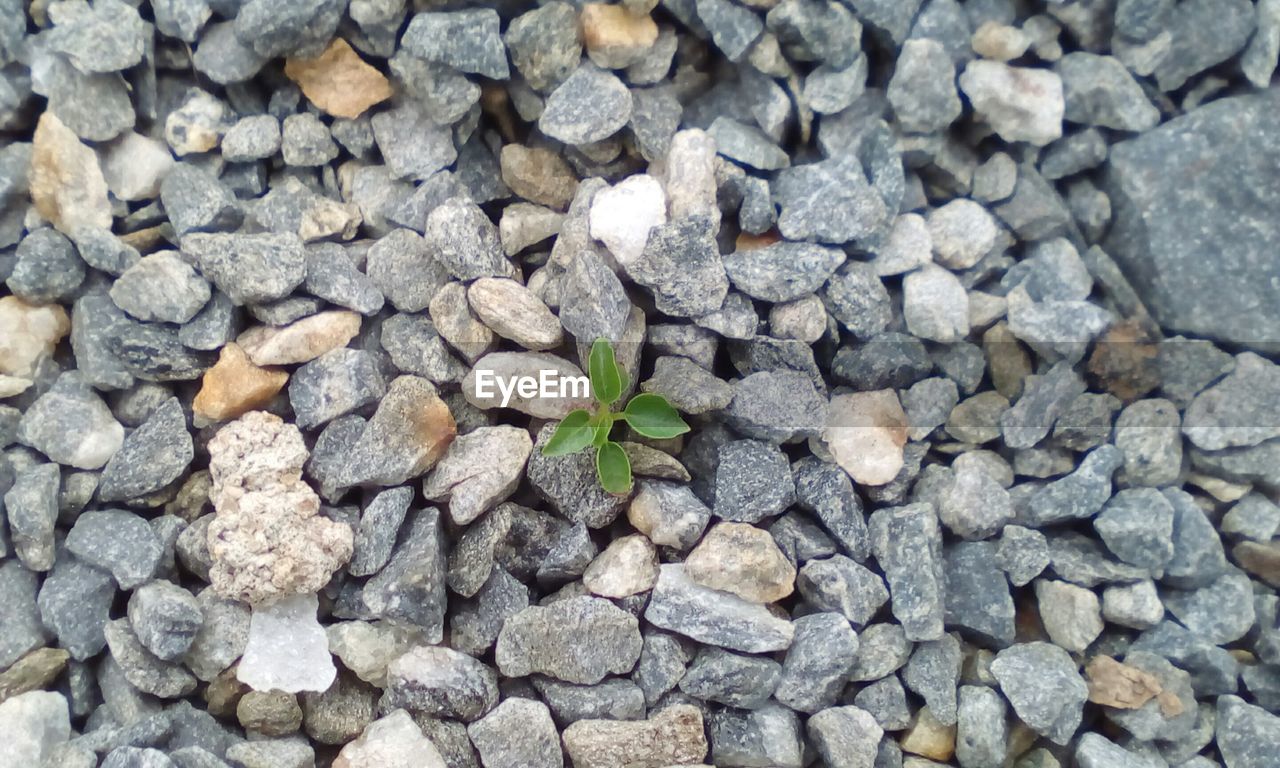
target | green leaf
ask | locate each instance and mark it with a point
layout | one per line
(652, 416)
(572, 434)
(613, 468)
(606, 383)
(602, 424)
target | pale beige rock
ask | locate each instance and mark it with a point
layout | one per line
(628, 566)
(538, 174)
(742, 559)
(66, 182)
(28, 333)
(457, 324)
(929, 738)
(326, 218)
(614, 36)
(514, 313)
(673, 736)
(688, 174)
(134, 166)
(1121, 686)
(651, 462)
(367, 648)
(234, 386)
(13, 385)
(1000, 42)
(865, 433)
(526, 224)
(394, 741)
(480, 469)
(1072, 615)
(268, 539)
(300, 341)
(338, 81)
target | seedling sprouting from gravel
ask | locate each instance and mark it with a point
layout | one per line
(648, 414)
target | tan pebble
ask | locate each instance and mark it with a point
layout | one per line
(29, 332)
(614, 36)
(301, 341)
(66, 182)
(234, 386)
(744, 560)
(338, 81)
(865, 433)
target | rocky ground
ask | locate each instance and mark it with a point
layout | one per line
(972, 307)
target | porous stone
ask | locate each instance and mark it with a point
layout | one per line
(268, 540)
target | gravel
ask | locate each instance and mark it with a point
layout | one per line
(969, 308)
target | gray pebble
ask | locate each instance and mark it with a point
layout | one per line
(152, 456)
(589, 105)
(165, 618)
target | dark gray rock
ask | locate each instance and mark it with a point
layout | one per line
(578, 640)
(857, 298)
(213, 326)
(569, 484)
(732, 679)
(293, 28)
(907, 544)
(154, 351)
(31, 505)
(476, 623)
(1191, 51)
(689, 387)
(886, 700)
(770, 735)
(782, 271)
(747, 144)
(224, 58)
(1044, 686)
(826, 490)
(830, 201)
(591, 104)
(933, 673)
(468, 41)
(441, 682)
(714, 617)
(412, 143)
(1076, 496)
(978, 599)
(1159, 238)
(332, 276)
(593, 303)
(165, 618)
(981, 730)
(145, 671)
(376, 535)
(517, 732)
(196, 201)
(1240, 410)
(752, 481)
(161, 287)
(47, 268)
(71, 425)
(1198, 558)
(1220, 612)
(152, 456)
(681, 266)
(411, 587)
(405, 271)
(845, 736)
(1100, 91)
(96, 107)
(817, 663)
(923, 89)
(840, 585)
(825, 32)
(336, 383)
(1137, 525)
(250, 268)
(544, 44)
(119, 542)
(22, 630)
(1247, 736)
(465, 241)
(777, 406)
(1022, 554)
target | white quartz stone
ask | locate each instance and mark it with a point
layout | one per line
(288, 650)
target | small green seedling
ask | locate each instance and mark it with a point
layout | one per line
(648, 414)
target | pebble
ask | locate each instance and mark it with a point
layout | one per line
(857, 298)
(975, 506)
(161, 286)
(671, 736)
(412, 144)
(250, 268)
(1023, 554)
(300, 341)
(393, 741)
(747, 145)
(829, 201)
(34, 724)
(579, 640)
(752, 481)
(614, 36)
(47, 268)
(908, 547)
(628, 566)
(591, 104)
(479, 470)
(32, 508)
(338, 81)
(305, 141)
(922, 90)
(682, 268)
(782, 271)
(515, 313)
(745, 682)
(465, 40)
(544, 44)
(143, 670)
(981, 730)
(743, 560)
(134, 166)
(151, 457)
(441, 682)
(679, 604)
(334, 384)
(770, 735)
(234, 386)
(1044, 686)
(464, 240)
(287, 649)
(865, 433)
(817, 663)
(845, 736)
(66, 183)
(935, 305)
(1019, 103)
(35, 333)
(622, 216)
(71, 425)
(1078, 495)
(961, 233)
(1072, 615)
(1137, 525)
(776, 406)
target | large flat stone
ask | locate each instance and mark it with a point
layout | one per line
(1194, 220)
